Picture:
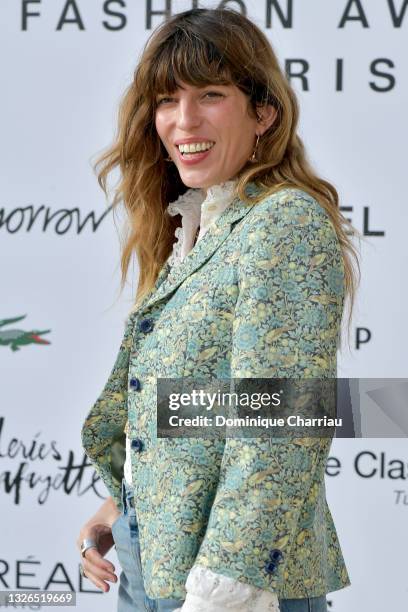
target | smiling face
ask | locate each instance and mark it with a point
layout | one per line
(212, 114)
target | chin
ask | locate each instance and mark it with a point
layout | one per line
(200, 182)
(194, 184)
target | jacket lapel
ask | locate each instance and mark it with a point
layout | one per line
(217, 233)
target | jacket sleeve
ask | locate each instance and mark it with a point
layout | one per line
(102, 430)
(287, 322)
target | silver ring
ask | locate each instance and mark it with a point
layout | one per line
(81, 570)
(87, 543)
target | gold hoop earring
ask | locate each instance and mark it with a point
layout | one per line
(253, 158)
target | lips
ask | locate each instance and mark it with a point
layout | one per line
(191, 159)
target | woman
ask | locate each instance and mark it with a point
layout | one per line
(252, 287)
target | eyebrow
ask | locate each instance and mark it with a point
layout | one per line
(199, 88)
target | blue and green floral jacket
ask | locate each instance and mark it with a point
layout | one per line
(260, 296)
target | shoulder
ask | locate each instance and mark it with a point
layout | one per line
(289, 202)
(288, 212)
(289, 226)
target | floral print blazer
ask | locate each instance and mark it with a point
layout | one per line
(260, 296)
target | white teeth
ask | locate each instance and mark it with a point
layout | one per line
(195, 147)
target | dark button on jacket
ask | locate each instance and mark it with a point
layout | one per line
(137, 445)
(270, 567)
(135, 383)
(146, 325)
(276, 555)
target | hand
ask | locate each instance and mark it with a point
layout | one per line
(99, 529)
(96, 568)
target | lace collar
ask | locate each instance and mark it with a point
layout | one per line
(198, 211)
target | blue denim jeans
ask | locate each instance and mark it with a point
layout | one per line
(132, 596)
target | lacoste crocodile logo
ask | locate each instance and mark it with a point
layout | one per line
(15, 338)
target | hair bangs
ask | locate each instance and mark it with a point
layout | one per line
(188, 59)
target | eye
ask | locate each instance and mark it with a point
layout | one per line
(214, 93)
(208, 93)
(162, 100)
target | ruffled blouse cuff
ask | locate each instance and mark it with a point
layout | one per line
(211, 592)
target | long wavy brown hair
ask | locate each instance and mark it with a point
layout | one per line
(202, 47)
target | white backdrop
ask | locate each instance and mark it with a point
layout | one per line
(63, 70)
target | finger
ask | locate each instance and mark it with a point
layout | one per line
(101, 573)
(100, 584)
(93, 556)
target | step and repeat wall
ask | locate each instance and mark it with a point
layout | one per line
(64, 66)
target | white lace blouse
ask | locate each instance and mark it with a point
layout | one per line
(206, 590)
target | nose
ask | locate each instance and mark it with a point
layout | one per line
(188, 115)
